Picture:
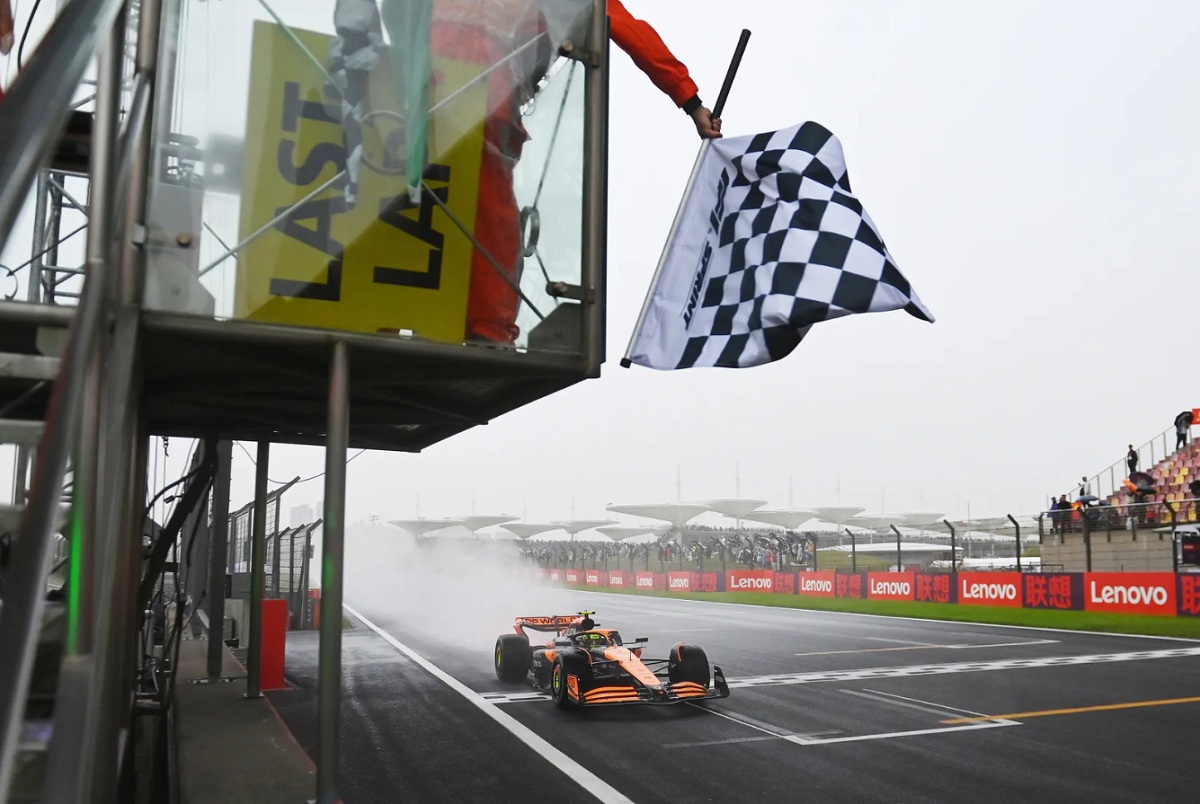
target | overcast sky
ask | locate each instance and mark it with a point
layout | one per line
(1033, 168)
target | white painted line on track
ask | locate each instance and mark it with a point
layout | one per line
(894, 734)
(944, 707)
(892, 617)
(930, 646)
(957, 667)
(588, 781)
(872, 695)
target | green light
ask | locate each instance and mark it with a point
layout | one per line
(75, 578)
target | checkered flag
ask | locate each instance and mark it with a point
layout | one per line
(769, 240)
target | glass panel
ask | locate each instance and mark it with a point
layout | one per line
(406, 167)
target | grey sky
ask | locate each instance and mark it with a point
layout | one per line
(1033, 169)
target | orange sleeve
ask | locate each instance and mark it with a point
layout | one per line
(650, 54)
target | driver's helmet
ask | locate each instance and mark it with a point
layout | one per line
(592, 639)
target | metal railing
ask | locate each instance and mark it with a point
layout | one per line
(1108, 481)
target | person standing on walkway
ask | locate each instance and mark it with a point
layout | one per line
(1131, 458)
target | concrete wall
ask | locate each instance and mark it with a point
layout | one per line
(1115, 551)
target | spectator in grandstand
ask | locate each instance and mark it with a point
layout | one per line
(1085, 492)
(1063, 513)
(1131, 458)
(1183, 428)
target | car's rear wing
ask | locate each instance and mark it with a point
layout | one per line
(555, 623)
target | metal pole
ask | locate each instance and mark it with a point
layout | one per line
(1018, 528)
(899, 556)
(218, 548)
(1087, 541)
(953, 546)
(276, 564)
(329, 681)
(853, 550)
(595, 190)
(1174, 552)
(258, 547)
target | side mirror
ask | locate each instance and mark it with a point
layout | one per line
(642, 639)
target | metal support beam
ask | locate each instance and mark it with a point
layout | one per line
(218, 541)
(953, 546)
(853, 551)
(329, 682)
(1018, 529)
(257, 556)
(899, 555)
(595, 190)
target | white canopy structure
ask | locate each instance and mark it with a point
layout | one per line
(675, 513)
(475, 523)
(821, 526)
(623, 533)
(645, 538)
(734, 508)
(837, 514)
(574, 526)
(527, 529)
(419, 527)
(919, 518)
(788, 518)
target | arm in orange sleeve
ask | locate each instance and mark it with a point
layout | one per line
(651, 55)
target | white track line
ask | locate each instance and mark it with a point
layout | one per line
(588, 781)
(892, 617)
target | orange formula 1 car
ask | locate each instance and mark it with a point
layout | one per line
(585, 665)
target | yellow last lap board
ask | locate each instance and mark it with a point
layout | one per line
(382, 264)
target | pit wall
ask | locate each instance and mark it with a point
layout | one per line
(1153, 593)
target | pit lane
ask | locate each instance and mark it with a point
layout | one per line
(831, 707)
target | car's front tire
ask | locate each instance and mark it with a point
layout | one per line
(513, 657)
(688, 663)
(565, 665)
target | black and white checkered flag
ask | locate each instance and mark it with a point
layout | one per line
(769, 241)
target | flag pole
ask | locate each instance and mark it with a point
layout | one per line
(726, 85)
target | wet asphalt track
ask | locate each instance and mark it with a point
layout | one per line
(824, 707)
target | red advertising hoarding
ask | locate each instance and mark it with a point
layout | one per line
(679, 581)
(556, 576)
(574, 576)
(749, 581)
(990, 589)
(1129, 592)
(891, 585)
(619, 580)
(644, 580)
(595, 577)
(817, 584)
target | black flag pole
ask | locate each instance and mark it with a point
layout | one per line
(719, 107)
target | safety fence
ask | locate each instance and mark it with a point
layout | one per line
(1148, 593)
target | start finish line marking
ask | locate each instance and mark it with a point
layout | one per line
(957, 667)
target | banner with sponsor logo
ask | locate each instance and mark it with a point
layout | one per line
(644, 580)
(1188, 593)
(1129, 592)
(596, 578)
(619, 580)
(557, 575)
(749, 581)
(679, 582)
(891, 585)
(816, 584)
(1053, 590)
(851, 584)
(704, 581)
(784, 583)
(936, 588)
(989, 588)
(573, 576)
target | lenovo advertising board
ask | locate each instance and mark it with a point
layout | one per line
(679, 582)
(1053, 590)
(937, 587)
(1129, 592)
(891, 585)
(817, 584)
(989, 588)
(749, 581)
(618, 580)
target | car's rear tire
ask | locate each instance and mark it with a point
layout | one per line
(565, 665)
(688, 663)
(513, 657)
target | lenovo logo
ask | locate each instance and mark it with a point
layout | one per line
(593, 577)
(648, 583)
(815, 585)
(680, 583)
(891, 587)
(1131, 595)
(990, 591)
(749, 583)
(616, 580)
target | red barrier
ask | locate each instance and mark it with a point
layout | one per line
(596, 578)
(990, 589)
(574, 576)
(936, 587)
(679, 581)
(850, 585)
(556, 576)
(274, 640)
(644, 580)
(704, 581)
(749, 581)
(618, 579)
(1130, 592)
(817, 584)
(784, 583)
(891, 585)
